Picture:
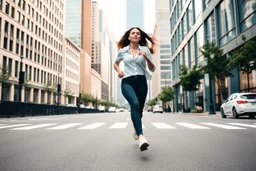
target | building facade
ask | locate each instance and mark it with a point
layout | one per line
(31, 40)
(162, 58)
(192, 24)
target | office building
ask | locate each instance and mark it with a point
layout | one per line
(162, 59)
(32, 35)
(193, 22)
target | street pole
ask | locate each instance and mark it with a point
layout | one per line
(21, 77)
(211, 108)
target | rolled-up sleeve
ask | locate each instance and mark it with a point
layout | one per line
(119, 57)
(149, 55)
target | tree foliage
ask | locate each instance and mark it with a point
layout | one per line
(217, 65)
(4, 74)
(166, 95)
(190, 79)
(244, 57)
(151, 102)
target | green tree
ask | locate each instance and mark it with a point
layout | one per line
(86, 98)
(151, 102)
(166, 95)
(4, 77)
(217, 65)
(190, 79)
(244, 58)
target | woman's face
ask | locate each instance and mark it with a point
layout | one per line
(134, 35)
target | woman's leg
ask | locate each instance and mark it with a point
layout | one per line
(141, 93)
(130, 95)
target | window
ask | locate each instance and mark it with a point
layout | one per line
(247, 14)
(211, 29)
(198, 7)
(165, 75)
(7, 6)
(16, 68)
(200, 39)
(226, 21)
(190, 16)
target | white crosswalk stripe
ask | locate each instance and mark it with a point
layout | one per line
(192, 126)
(222, 126)
(119, 125)
(245, 125)
(92, 126)
(123, 125)
(11, 126)
(33, 127)
(161, 125)
(65, 126)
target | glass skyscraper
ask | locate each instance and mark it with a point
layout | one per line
(73, 21)
(193, 23)
(134, 13)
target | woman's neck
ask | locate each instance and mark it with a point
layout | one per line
(134, 46)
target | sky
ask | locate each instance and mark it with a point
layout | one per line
(115, 12)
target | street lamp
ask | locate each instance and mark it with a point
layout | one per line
(211, 108)
(21, 77)
(58, 90)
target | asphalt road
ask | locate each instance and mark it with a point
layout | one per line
(104, 142)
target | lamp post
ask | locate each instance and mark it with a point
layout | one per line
(211, 108)
(21, 77)
(58, 91)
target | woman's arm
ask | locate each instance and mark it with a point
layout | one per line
(148, 58)
(117, 68)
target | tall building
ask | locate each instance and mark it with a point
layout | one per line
(135, 13)
(193, 23)
(73, 21)
(33, 30)
(78, 29)
(162, 75)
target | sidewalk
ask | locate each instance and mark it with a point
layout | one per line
(196, 114)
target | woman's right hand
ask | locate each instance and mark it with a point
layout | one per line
(120, 74)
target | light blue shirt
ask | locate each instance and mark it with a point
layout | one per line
(136, 66)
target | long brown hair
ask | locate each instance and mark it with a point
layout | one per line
(124, 41)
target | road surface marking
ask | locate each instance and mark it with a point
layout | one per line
(65, 126)
(92, 126)
(11, 126)
(34, 126)
(192, 126)
(241, 124)
(2, 124)
(223, 126)
(161, 125)
(119, 125)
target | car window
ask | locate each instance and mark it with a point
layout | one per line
(234, 96)
(248, 96)
(230, 97)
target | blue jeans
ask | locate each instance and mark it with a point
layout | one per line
(135, 91)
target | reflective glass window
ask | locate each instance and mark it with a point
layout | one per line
(226, 21)
(247, 13)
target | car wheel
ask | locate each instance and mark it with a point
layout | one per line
(222, 113)
(251, 116)
(235, 114)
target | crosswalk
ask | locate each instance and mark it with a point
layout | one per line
(123, 125)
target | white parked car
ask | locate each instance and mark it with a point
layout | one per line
(239, 104)
(158, 108)
(112, 109)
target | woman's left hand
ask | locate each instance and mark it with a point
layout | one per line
(142, 53)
